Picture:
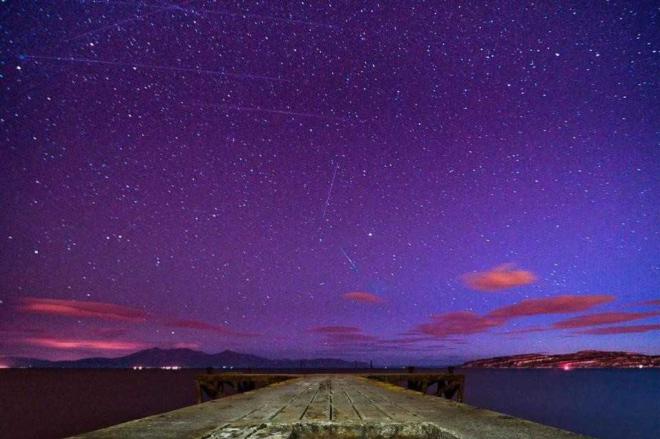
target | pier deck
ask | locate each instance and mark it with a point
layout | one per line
(331, 406)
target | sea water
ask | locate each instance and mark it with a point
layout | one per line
(54, 403)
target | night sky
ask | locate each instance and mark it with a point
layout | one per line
(408, 183)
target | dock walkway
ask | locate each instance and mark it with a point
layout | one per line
(331, 406)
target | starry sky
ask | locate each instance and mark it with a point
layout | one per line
(408, 182)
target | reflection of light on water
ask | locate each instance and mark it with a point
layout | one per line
(641, 366)
(162, 367)
(566, 367)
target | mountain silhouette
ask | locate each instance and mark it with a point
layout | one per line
(187, 358)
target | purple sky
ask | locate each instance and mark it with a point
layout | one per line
(411, 183)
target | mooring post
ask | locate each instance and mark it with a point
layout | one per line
(200, 397)
(459, 396)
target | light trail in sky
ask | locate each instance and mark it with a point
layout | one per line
(202, 12)
(275, 111)
(116, 24)
(149, 66)
(354, 267)
(327, 200)
(205, 11)
(258, 17)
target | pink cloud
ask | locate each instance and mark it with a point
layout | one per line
(606, 318)
(204, 326)
(363, 297)
(458, 323)
(466, 323)
(109, 311)
(76, 344)
(378, 347)
(81, 309)
(499, 278)
(551, 305)
(109, 332)
(406, 340)
(343, 335)
(655, 302)
(336, 329)
(612, 330)
(350, 338)
(528, 330)
(342, 339)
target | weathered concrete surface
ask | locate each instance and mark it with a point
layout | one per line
(330, 406)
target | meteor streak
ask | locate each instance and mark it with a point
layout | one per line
(128, 20)
(257, 17)
(274, 111)
(204, 11)
(327, 200)
(243, 15)
(354, 267)
(149, 66)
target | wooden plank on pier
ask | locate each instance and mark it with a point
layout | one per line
(294, 411)
(331, 406)
(343, 409)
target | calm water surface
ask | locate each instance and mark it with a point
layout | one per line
(55, 403)
(606, 404)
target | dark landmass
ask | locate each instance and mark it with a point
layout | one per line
(186, 358)
(576, 360)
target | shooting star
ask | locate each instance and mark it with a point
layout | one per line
(354, 267)
(258, 17)
(134, 66)
(116, 24)
(275, 111)
(327, 200)
(203, 11)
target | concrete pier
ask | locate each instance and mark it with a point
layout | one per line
(331, 406)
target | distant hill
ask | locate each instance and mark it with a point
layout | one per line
(576, 360)
(187, 358)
